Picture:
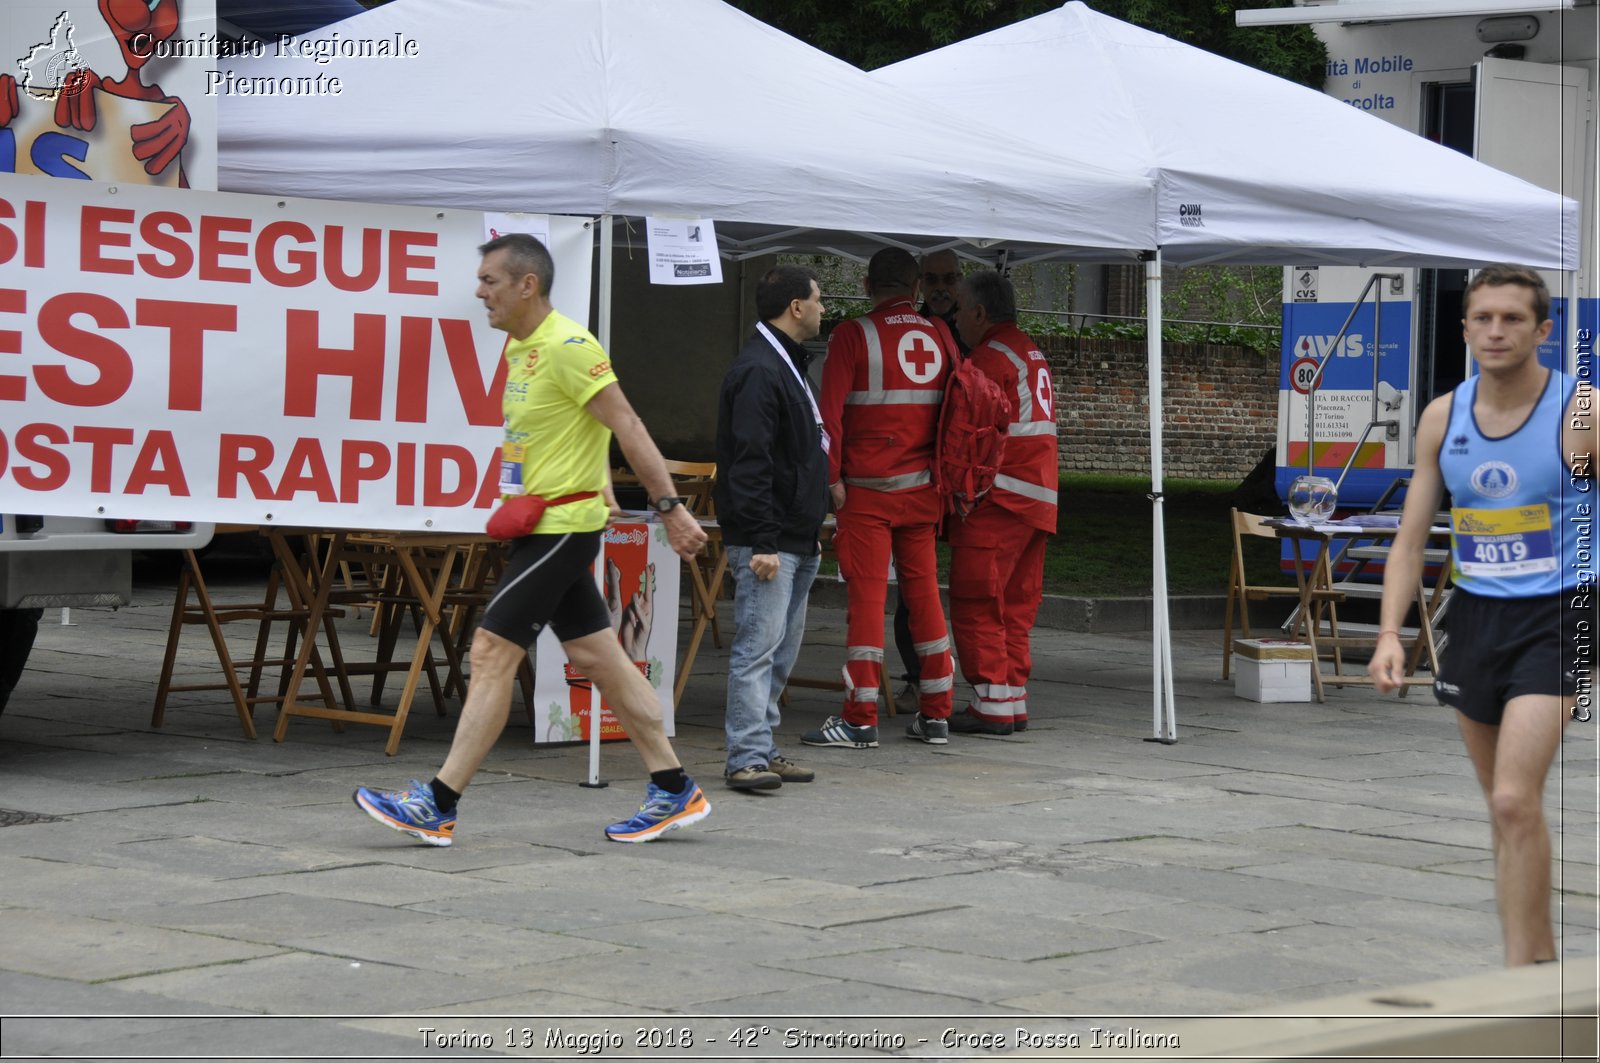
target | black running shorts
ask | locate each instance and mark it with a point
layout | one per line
(1503, 648)
(548, 580)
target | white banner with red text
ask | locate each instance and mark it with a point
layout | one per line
(206, 356)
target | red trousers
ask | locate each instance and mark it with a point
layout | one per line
(872, 525)
(996, 583)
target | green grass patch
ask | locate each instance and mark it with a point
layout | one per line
(1103, 542)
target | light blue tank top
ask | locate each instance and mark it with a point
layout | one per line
(1518, 517)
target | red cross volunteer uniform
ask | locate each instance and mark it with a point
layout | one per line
(997, 551)
(882, 387)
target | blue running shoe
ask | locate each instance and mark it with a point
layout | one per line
(662, 811)
(410, 811)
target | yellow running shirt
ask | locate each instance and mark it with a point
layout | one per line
(552, 446)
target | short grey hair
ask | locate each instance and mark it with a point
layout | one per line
(525, 255)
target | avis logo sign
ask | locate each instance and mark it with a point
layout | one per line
(1351, 346)
(1189, 215)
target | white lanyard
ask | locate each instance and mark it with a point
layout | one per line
(783, 356)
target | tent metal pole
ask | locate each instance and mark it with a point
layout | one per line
(1164, 699)
(607, 253)
(604, 322)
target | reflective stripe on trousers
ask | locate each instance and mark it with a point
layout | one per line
(873, 526)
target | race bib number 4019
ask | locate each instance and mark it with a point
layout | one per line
(1503, 542)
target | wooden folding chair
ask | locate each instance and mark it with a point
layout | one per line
(264, 614)
(695, 481)
(1242, 592)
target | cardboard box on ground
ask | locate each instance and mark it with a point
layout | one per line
(1272, 670)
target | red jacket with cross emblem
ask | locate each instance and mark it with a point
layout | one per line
(1030, 473)
(882, 386)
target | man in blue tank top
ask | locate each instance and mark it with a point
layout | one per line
(1514, 446)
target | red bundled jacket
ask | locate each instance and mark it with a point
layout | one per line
(1030, 472)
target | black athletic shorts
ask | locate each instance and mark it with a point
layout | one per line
(1503, 648)
(548, 580)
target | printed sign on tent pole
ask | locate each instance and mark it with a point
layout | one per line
(683, 251)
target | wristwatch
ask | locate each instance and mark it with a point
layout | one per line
(665, 503)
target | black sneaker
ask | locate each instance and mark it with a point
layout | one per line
(965, 723)
(924, 729)
(836, 732)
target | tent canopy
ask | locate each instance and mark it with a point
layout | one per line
(1248, 167)
(635, 107)
(275, 18)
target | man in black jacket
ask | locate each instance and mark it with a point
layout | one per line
(941, 278)
(771, 495)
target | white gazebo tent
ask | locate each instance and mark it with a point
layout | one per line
(1247, 167)
(634, 107)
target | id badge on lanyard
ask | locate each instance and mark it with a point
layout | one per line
(783, 357)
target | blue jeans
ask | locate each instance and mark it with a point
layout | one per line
(771, 619)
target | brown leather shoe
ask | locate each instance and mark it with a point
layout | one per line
(754, 777)
(789, 771)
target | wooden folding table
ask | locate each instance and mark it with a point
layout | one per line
(421, 568)
(1315, 578)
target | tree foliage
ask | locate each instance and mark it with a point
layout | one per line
(874, 33)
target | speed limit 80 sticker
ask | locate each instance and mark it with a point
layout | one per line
(1302, 373)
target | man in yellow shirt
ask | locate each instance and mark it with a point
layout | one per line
(562, 405)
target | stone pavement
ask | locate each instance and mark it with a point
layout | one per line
(1070, 878)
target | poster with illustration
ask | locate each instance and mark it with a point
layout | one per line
(111, 91)
(639, 576)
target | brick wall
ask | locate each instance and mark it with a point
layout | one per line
(1221, 407)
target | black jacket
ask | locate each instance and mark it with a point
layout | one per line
(948, 319)
(772, 473)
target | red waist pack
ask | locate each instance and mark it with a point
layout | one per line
(519, 516)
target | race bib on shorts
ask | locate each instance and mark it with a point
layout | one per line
(1503, 542)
